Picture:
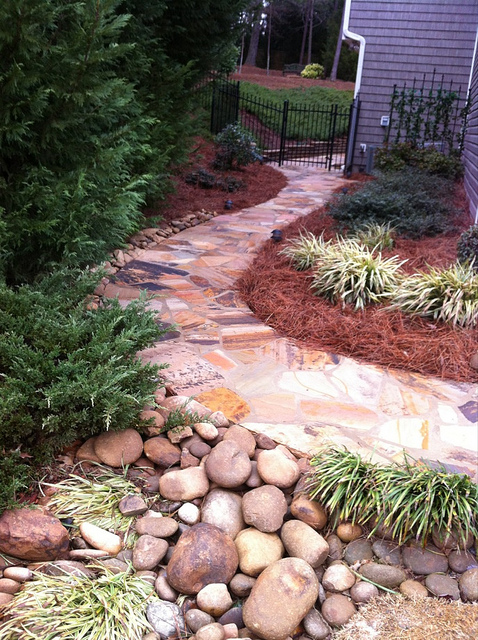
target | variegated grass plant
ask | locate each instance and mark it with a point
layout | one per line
(305, 250)
(375, 236)
(110, 607)
(94, 498)
(450, 295)
(410, 499)
(350, 273)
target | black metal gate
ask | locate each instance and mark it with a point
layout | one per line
(285, 133)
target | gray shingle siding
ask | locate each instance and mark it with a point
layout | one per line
(405, 40)
(470, 156)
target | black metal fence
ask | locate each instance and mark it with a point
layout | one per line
(285, 132)
(428, 113)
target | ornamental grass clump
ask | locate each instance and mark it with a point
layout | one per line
(411, 499)
(94, 499)
(375, 236)
(305, 250)
(353, 274)
(110, 607)
(450, 295)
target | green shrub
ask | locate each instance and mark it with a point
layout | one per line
(69, 371)
(350, 273)
(15, 477)
(305, 250)
(394, 157)
(237, 148)
(467, 247)
(450, 295)
(411, 201)
(313, 71)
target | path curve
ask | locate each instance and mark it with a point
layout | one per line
(304, 398)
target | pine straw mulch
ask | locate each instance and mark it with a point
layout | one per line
(397, 618)
(280, 297)
(260, 183)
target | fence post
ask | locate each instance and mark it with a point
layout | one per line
(334, 125)
(237, 97)
(283, 132)
(213, 107)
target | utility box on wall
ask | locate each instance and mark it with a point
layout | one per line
(371, 148)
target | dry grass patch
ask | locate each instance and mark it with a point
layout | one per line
(398, 618)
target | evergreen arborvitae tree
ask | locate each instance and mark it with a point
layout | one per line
(70, 133)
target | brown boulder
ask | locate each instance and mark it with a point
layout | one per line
(162, 452)
(118, 448)
(32, 534)
(203, 555)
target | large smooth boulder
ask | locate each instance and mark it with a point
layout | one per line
(118, 448)
(228, 465)
(203, 555)
(184, 484)
(32, 534)
(281, 597)
(162, 452)
(264, 508)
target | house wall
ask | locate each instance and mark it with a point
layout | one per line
(405, 40)
(470, 155)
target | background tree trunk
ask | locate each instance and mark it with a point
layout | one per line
(338, 49)
(255, 34)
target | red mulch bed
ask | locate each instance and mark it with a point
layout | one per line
(280, 296)
(261, 183)
(275, 80)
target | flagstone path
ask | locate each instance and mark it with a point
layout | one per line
(220, 353)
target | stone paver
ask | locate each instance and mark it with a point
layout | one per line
(301, 397)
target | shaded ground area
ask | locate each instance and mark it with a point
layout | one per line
(260, 183)
(281, 297)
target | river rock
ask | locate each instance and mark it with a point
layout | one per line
(32, 534)
(232, 616)
(166, 618)
(461, 561)
(199, 449)
(87, 451)
(276, 468)
(424, 561)
(337, 610)
(348, 532)
(223, 509)
(288, 586)
(387, 551)
(385, 575)
(100, 538)
(338, 578)
(264, 508)
(469, 585)
(184, 484)
(254, 480)
(206, 430)
(257, 550)
(203, 555)
(362, 592)
(164, 589)
(213, 631)
(189, 514)
(20, 574)
(185, 405)
(450, 539)
(301, 541)
(241, 585)
(195, 619)
(413, 589)
(7, 585)
(358, 551)
(158, 527)
(309, 511)
(242, 437)
(162, 452)
(132, 505)
(119, 448)
(214, 599)
(336, 548)
(228, 465)
(442, 586)
(63, 567)
(148, 552)
(315, 626)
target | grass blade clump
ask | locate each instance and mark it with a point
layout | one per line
(305, 250)
(93, 499)
(111, 607)
(410, 498)
(450, 295)
(375, 236)
(353, 274)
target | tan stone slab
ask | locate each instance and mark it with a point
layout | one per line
(225, 400)
(407, 432)
(339, 413)
(219, 359)
(246, 337)
(463, 436)
(275, 407)
(313, 384)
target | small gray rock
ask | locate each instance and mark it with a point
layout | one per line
(383, 574)
(132, 505)
(165, 618)
(469, 585)
(337, 610)
(424, 561)
(195, 619)
(442, 586)
(358, 551)
(387, 551)
(148, 552)
(460, 561)
(315, 625)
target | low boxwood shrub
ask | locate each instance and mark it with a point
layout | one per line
(69, 371)
(313, 71)
(467, 247)
(411, 201)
